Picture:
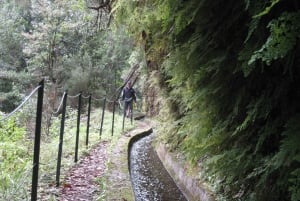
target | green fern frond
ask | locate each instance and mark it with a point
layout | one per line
(284, 35)
(289, 149)
(295, 185)
(267, 9)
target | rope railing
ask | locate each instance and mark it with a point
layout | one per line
(85, 97)
(61, 110)
(60, 104)
(98, 99)
(21, 105)
(75, 96)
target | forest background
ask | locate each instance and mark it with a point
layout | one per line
(221, 76)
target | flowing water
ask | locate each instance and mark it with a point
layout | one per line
(150, 180)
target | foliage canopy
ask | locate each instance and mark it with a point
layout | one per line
(67, 43)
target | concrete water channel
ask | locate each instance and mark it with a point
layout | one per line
(150, 180)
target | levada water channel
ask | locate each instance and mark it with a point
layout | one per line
(150, 180)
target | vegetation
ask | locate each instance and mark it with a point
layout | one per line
(14, 158)
(68, 43)
(229, 73)
(223, 77)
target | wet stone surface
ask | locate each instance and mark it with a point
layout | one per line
(150, 180)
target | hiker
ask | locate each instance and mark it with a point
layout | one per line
(128, 97)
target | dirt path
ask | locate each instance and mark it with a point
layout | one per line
(102, 172)
(79, 184)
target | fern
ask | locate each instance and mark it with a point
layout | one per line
(289, 149)
(284, 34)
(268, 8)
(295, 184)
(223, 105)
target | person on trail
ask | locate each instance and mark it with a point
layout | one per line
(128, 97)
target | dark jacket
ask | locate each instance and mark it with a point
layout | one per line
(128, 94)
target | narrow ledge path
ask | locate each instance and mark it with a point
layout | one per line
(119, 186)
